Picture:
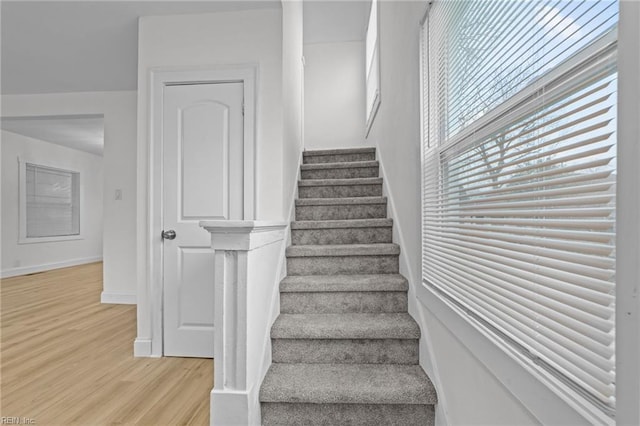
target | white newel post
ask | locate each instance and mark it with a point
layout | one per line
(246, 267)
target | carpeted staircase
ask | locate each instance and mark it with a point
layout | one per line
(345, 350)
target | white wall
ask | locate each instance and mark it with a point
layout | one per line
(471, 393)
(334, 95)
(292, 98)
(19, 259)
(628, 218)
(251, 37)
(119, 160)
(468, 392)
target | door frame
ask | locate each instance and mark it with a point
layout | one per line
(161, 78)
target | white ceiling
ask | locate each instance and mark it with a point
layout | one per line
(76, 46)
(328, 21)
(85, 133)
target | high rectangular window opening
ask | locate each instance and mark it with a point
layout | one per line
(372, 66)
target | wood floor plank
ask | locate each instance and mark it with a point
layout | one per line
(67, 359)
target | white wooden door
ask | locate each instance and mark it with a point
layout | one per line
(202, 180)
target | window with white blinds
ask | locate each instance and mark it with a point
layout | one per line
(519, 175)
(372, 66)
(52, 206)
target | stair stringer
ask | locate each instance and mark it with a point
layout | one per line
(427, 358)
(274, 302)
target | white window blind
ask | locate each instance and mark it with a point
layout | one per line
(372, 64)
(519, 119)
(52, 202)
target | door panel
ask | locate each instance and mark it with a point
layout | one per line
(202, 180)
(196, 292)
(205, 162)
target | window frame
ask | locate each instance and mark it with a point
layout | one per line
(373, 67)
(22, 205)
(518, 373)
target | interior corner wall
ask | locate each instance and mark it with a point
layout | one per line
(20, 259)
(459, 376)
(119, 172)
(251, 37)
(292, 98)
(334, 95)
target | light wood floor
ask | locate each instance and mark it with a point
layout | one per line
(67, 359)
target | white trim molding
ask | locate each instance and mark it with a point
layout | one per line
(117, 298)
(25, 270)
(142, 348)
(159, 79)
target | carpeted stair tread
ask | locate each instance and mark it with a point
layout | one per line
(340, 182)
(333, 250)
(340, 201)
(345, 326)
(345, 223)
(343, 283)
(340, 165)
(338, 151)
(347, 384)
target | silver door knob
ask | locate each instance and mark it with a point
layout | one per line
(168, 235)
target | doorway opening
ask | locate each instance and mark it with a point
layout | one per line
(52, 192)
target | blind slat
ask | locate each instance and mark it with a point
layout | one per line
(588, 277)
(519, 209)
(596, 314)
(571, 364)
(534, 318)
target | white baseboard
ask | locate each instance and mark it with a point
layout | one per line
(142, 348)
(25, 270)
(234, 407)
(118, 298)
